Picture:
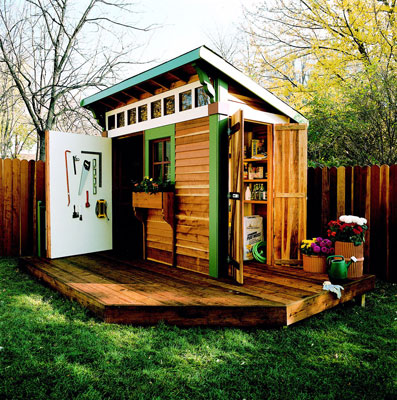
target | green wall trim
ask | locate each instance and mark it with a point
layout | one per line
(218, 217)
(221, 90)
(160, 133)
(218, 212)
(205, 81)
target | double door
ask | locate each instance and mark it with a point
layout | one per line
(270, 160)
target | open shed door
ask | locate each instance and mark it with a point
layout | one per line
(77, 165)
(236, 189)
(290, 191)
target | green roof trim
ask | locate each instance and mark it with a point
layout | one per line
(232, 72)
(184, 59)
(210, 57)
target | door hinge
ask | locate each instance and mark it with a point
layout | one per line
(234, 196)
(233, 263)
(233, 129)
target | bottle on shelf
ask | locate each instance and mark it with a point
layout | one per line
(255, 193)
(245, 171)
(248, 193)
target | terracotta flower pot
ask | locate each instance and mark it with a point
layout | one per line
(315, 264)
(347, 250)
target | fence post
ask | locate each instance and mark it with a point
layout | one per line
(325, 199)
(16, 205)
(341, 191)
(393, 223)
(24, 206)
(2, 231)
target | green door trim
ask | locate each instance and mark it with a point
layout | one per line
(218, 216)
(160, 133)
(218, 209)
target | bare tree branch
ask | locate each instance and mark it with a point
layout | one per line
(54, 52)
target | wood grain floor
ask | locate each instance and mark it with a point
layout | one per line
(144, 292)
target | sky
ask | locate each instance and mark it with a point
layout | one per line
(186, 25)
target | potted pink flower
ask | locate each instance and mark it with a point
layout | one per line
(348, 234)
(315, 253)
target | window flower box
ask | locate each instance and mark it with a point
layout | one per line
(147, 200)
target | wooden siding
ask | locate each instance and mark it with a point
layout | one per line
(369, 192)
(21, 186)
(192, 194)
(192, 203)
(158, 237)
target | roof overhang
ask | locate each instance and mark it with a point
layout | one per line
(201, 54)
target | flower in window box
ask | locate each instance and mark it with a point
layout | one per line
(149, 185)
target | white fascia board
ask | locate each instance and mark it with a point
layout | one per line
(154, 123)
(239, 77)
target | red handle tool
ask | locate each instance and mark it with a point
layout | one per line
(87, 204)
(67, 174)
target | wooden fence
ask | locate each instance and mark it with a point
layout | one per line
(21, 186)
(369, 192)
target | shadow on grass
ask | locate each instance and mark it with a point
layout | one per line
(53, 348)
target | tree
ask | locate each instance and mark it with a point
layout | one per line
(330, 58)
(328, 40)
(15, 129)
(56, 49)
(360, 129)
(225, 44)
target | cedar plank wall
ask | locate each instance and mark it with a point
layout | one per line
(158, 238)
(192, 194)
(191, 203)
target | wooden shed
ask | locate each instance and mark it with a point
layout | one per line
(194, 120)
(236, 155)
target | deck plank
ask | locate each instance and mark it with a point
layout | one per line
(171, 291)
(145, 292)
(88, 284)
(198, 281)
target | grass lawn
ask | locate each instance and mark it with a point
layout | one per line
(53, 348)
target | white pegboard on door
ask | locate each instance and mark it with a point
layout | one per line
(78, 164)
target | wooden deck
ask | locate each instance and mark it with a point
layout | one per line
(144, 293)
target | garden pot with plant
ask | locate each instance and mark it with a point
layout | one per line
(315, 253)
(348, 235)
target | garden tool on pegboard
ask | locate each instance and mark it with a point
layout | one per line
(67, 175)
(75, 160)
(101, 209)
(99, 154)
(84, 173)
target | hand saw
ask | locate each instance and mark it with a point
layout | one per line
(84, 174)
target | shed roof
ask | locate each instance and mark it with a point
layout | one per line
(203, 55)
